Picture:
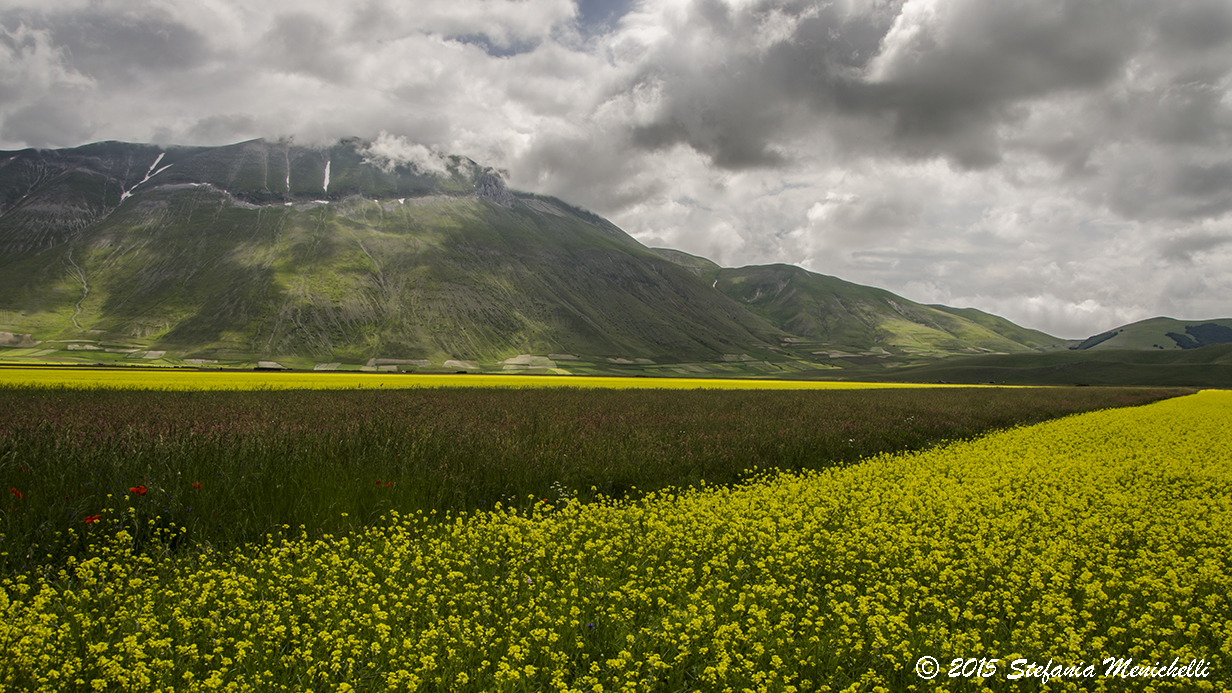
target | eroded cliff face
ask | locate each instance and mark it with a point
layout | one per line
(491, 186)
(9, 339)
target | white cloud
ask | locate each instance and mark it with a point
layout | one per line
(1063, 163)
(388, 151)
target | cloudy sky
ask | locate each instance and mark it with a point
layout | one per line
(1064, 163)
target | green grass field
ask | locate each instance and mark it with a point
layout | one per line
(1209, 366)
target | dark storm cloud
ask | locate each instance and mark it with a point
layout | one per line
(1157, 188)
(1186, 112)
(985, 54)
(735, 105)
(46, 121)
(1184, 248)
(1213, 183)
(119, 47)
(1185, 27)
(939, 84)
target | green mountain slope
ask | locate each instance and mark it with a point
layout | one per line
(1005, 328)
(706, 270)
(211, 258)
(840, 315)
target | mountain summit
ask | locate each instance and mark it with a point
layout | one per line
(371, 252)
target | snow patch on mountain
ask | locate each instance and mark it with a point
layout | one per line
(150, 173)
(156, 160)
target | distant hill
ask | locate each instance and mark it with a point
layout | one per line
(1163, 334)
(841, 315)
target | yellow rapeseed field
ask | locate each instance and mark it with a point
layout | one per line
(170, 379)
(1101, 535)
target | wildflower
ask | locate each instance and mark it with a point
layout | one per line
(17, 493)
(197, 485)
(91, 519)
(139, 490)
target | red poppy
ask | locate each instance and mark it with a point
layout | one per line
(17, 493)
(91, 519)
(139, 490)
(197, 485)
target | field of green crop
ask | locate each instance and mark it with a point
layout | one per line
(603, 540)
(228, 466)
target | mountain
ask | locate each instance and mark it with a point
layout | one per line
(1162, 333)
(275, 250)
(838, 314)
(842, 314)
(350, 255)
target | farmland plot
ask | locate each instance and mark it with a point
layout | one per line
(1098, 543)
